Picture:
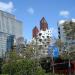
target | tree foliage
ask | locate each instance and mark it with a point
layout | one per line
(23, 67)
(69, 29)
(59, 44)
(29, 51)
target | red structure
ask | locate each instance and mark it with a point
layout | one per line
(35, 32)
(43, 24)
(63, 68)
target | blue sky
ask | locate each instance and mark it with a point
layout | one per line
(30, 12)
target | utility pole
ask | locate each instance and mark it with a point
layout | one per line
(69, 60)
(53, 65)
(69, 64)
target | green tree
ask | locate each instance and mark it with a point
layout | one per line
(29, 51)
(1, 63)
(59, 44)
(23, 67)
(69, 29)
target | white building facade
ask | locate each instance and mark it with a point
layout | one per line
(61, 31)
(43, 38)
(8, 26)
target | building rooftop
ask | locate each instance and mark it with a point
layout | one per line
(63, 21)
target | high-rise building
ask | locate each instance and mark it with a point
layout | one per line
(61, 31)
(8, 26)
(20, 45)
(61, 34)
(10, 42)
(43, 37)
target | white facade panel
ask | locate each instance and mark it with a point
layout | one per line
(8, 26)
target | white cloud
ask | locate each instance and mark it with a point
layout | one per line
(30, 11)
(64, 13)
(73, 19)
(61, 21)
(8, 7)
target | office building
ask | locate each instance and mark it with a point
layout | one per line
(10, 42)
(8, 26)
